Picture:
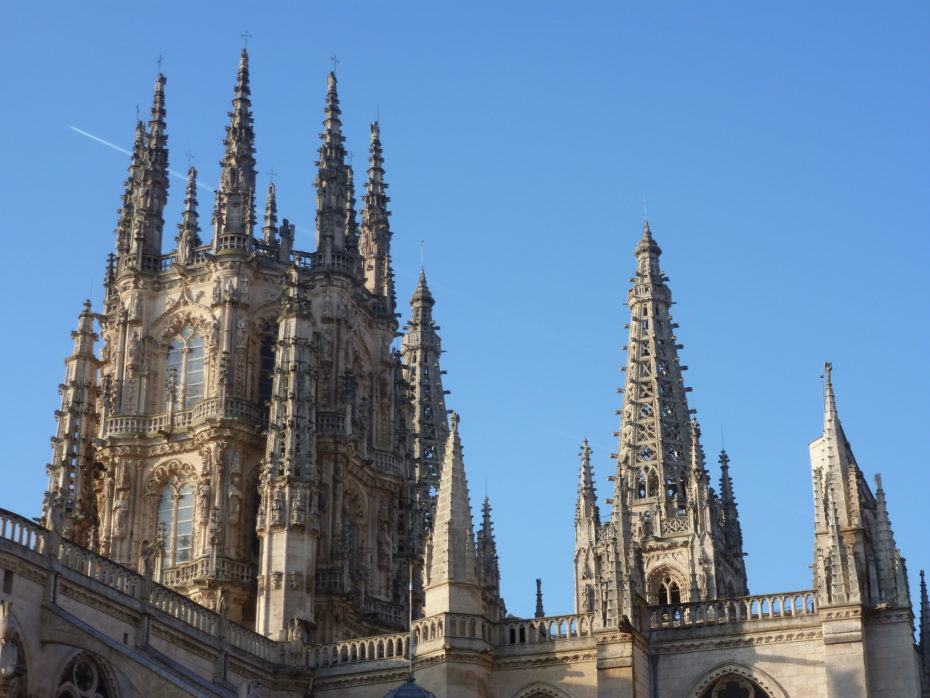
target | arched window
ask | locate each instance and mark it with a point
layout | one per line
(733, 686)
(653, 489)
(185, 368)
(84, 678)
(176, 518)
(640, 484)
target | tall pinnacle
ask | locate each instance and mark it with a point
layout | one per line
(270, 229)
(189, 228)
(234, 217)
(332, 177)
(924, 635)
(488, 563)
(451, 559)
(376, 231)
(586, 505)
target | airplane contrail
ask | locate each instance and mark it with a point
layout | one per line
(115, 147)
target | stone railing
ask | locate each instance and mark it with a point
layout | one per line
(386, 462)
(330, 423)
(211, 408)
(530, 631)
(742, 609)
(337, 261)
(460, 625)
(386, 612)
(363, 649)
(76, 558)
(329, 581)
(25, 533)
(225, 570)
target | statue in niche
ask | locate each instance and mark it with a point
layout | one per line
(587, 599)
(203, 500)
(277, 509)
(132, 350)
(120, 513)
(298, 516)
(243, 290)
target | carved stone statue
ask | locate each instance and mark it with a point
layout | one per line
(277, 509)
(203, 500)
(120, 513)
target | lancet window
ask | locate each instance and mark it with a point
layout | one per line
(184, 373)
(265, 371)
(176, 521)
(668, 592)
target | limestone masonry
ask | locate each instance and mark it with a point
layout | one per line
(251, 493)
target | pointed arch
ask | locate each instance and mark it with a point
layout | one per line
(85, 676)
(539, 689)
(765, 686)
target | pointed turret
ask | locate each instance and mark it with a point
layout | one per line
(451, 562)
(351, 222)
(729, 515)
(189, 228)
(421, 348)
(893, 589)
(540, 611)
(332, 179)
(71, 472)
(270, 229)
(924, 634)
(142, 219)
(489, 574)
(234, 215)
(587, 525)
(375, 241)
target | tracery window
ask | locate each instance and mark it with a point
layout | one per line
(185, 368)
(176, 517)
(84, 678)
(668, 592)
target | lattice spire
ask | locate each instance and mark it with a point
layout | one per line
(71, 472)
(332, 177)
(421, 347)
(234, 216)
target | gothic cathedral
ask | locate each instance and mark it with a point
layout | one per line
(252, 493)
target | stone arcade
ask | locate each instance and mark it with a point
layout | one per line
(250, 492)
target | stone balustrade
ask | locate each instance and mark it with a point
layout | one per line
(742, 609)
(211, 408)
(31, 536)
(330, 422)
(363, 649)
(23, 532)
(225, 570)
(459, 625)
(530, 631)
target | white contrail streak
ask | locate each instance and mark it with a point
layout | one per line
(115, 147)
(100, 140)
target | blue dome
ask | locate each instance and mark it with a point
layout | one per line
(409, 689)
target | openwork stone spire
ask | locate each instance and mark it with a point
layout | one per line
(70, 505)
(189, 229)
(664, 515)
(422, 347)
(587, 525)
(234, 216)
(332, 177)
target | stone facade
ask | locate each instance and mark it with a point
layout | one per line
(252, 494)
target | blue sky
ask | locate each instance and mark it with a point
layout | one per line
(782, 149)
